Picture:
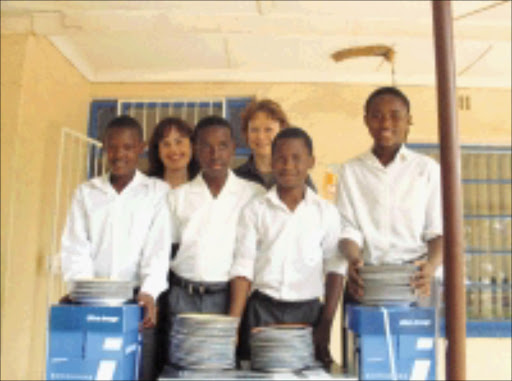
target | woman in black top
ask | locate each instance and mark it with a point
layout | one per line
(261, 121)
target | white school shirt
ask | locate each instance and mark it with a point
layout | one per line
(123, 236)
(390, 211)
(205, 226)
(287, 253)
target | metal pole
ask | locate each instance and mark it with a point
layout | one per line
(454, 290)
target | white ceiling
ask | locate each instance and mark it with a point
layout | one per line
(265, 40)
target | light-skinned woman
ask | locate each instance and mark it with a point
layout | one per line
(170, 152)
(261, 121)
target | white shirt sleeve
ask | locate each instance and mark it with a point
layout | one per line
(246, 244)
(154, 263)
(349, 227)
(333, 260)
(75, 243)
(433, 212)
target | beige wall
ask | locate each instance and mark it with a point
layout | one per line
(486, 359)
(12, 65)
(41, 92)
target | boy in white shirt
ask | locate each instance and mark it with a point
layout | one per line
(206, 212)
(118, 226)
(287, 241)
(389, 198)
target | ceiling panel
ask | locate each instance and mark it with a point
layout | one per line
(264, 40)
(196, 6)
(130, 51)
(343, 9)
(356, 9)
(479, 12)
(478, 58)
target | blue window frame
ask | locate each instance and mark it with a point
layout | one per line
(234, 108)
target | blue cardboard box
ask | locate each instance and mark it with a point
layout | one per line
(93, 342)
(393, 343)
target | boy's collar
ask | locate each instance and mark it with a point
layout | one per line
(273, 196)
(230, 185)
(403, 154)
(104, 181)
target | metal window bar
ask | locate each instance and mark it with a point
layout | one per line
(72, 169)
(196, 115)
(144, 119)
(171, 108)
(150, 111)
(187, 109)
(184, 111)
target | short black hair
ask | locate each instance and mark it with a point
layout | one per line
(124, 122)
(293, 133)
(387, 90)
(211, 121)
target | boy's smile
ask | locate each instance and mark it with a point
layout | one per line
(291, 162)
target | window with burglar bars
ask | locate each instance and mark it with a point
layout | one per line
(150, 111)
(486, 180)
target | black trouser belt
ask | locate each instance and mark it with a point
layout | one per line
(194, 287)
